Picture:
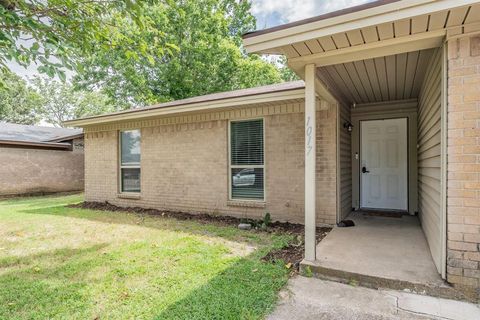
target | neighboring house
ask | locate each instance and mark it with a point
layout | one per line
(39, 160)
(387, 118)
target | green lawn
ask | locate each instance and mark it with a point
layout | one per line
(68, 263)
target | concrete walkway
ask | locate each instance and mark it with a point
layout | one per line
(310, 298)
(389, 248)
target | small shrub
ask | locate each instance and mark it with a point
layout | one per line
(307, 272)
(260, 223)
(353, 283)
(267, 220)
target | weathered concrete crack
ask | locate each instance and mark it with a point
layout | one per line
(423, 314)
(398, 309)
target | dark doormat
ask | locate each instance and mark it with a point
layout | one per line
(386, 214)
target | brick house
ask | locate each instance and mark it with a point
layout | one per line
(387, 118)
(38, 159)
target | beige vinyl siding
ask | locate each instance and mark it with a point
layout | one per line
(429, 175)
(345, 138)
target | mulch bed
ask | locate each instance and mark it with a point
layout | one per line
(292, 254)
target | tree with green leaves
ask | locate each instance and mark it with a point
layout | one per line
(61, 101)
(19, 103)
(281, 63)
(207, 34)
(55, 33)
(136, 52)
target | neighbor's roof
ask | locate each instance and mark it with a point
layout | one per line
(12, 134)
(21, 132)
(275, 92)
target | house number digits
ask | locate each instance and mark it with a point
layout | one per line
(309, 137)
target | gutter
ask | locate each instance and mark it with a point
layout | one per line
(35, 145)
(180, 107)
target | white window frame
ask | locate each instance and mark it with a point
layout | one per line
(230, 166)
(128, 166)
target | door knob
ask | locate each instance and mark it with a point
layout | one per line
(364, 170)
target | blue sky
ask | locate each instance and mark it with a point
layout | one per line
(271, 13)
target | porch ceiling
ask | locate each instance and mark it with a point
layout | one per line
(393, 77)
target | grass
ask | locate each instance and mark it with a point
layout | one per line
(68, 263)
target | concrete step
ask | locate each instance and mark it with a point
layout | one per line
(315, 269)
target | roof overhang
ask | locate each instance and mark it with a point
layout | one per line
(67, 138)
(188, 107)
(35, 145)
(366, 29)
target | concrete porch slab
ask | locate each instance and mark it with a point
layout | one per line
(380, 252)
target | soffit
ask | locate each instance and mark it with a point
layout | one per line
(465, 17)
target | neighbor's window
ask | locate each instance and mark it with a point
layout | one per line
(130, 161)
(246, 160)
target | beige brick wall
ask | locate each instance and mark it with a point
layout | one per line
(463, 190)
(185, 167)
(29, 171)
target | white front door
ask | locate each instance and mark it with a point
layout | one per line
(384, 164)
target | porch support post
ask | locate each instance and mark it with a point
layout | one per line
(310, 155)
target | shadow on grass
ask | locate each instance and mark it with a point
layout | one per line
(62, 255)
(47, 284)
(39, 200)
(57, 284)
(168, 224)
(246, 290)
(240, 288)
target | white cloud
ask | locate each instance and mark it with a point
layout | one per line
(270, 13)
(329, 5)
(287, 10)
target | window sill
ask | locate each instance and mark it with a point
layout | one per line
(132, 196)
(246, 203)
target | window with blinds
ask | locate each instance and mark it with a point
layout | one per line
(247, 160)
